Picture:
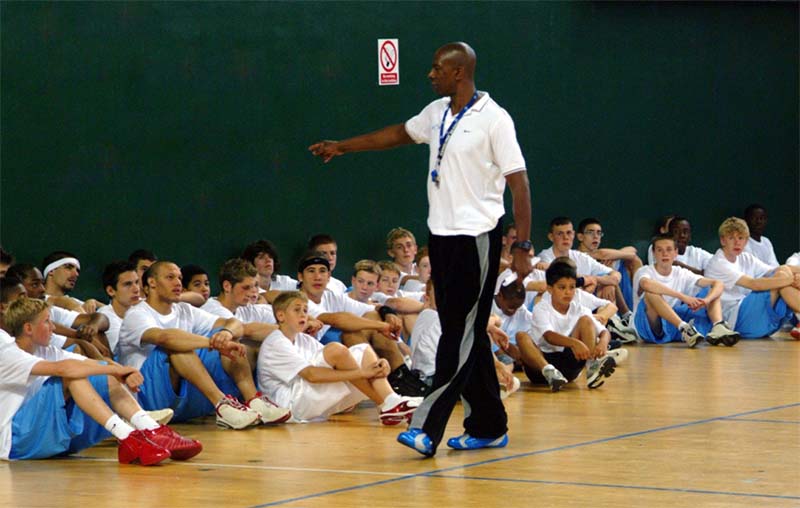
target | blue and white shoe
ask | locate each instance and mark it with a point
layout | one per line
(418, 440)
(467, 442)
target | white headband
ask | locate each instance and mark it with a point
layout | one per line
(61, 262)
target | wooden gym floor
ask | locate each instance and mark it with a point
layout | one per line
(712, 427)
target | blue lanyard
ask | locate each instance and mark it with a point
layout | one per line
(444, 137)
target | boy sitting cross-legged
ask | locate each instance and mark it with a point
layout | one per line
(668, 295)
(566, 333)
(317, 381)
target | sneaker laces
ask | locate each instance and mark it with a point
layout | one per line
(230, 400)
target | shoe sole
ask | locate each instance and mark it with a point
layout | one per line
(556, 385)
(604, 371)
(397, 419)
(186, 453)
(224, 425)
(456, 445)
(727, 340)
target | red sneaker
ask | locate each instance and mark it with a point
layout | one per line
(137, 447)
(795, 333)
(401, 412)
(181, 448)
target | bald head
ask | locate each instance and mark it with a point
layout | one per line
(459, 54)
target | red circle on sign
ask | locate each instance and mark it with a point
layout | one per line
(388, 56)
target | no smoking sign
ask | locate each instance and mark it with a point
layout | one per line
(388, 62)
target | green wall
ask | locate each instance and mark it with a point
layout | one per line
(183, 127)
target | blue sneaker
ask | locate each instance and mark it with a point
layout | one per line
(418, 440)
(467, 442)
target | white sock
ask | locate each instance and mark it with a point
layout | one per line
(683, 325)
(118, 427)
(797, 316)
(391, 401)
(548, 367)
(142, 421)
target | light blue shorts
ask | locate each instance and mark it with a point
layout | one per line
(46, 425)
(670, 333)
(757, 318)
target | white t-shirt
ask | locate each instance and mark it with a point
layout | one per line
(62, 316)
(587, 265)
(332, 302)
(142, 317)
(480, 153)
(5, 338)
(424, 341)
(279, 362)
(721, 269)
(548, 319)
(520, 321)
(794, 259)
(763, 250)
(114, 324)
(336, 286)
(18, 385)
(679, 279)
(250, 313)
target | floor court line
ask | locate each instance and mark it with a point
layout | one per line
(761, 420)
(525, 454)
(617, 486)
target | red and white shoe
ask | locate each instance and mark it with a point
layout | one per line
(138, 448)
(268, 411)
(232, 414)
(402, 412)
(795, 333)
(181, 448)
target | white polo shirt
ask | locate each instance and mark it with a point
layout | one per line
(481, 152)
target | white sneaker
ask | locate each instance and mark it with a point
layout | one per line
(268, 411)
(162, 416)
(619, 355)
(554, 378)
(721, 333)
(623, 332)
(504, 392)
(690, 335)
(232, 414)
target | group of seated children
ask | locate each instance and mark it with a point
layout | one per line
(270, 348)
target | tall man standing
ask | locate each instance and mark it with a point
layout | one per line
(473, 154)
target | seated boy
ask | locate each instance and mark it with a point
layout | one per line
(566, 333)
(364, 281)
(196, 286)
(624, 260)
(417, 282)
(670, 305)
(379, 325)
(54, 402)
(402, 249)
(759, 245)
(757, 298)
(167, 340)
(121, 284)
(317, 381)
(61, 270)
(326, 245)
(598, 278)
(264, 256)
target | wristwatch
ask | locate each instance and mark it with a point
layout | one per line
(525, 245)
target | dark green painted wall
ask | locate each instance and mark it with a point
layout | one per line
(183, 127)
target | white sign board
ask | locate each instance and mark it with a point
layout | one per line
(388, 62)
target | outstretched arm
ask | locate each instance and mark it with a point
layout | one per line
(383, 139)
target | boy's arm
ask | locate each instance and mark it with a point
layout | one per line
(610, 279)
(717, 287)
(65, 302)
(348, 322)
(625, 253)
(90, 324)
(578, 348)
(78, 369)
(233, 325)
(780, 280)
(327, 375)
(404, 305)
(539, 286)
(257, 331)
(521, 202)
(657, 288)
(180, 341)
(604, 313)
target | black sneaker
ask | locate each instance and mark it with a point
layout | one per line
(405, 382)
